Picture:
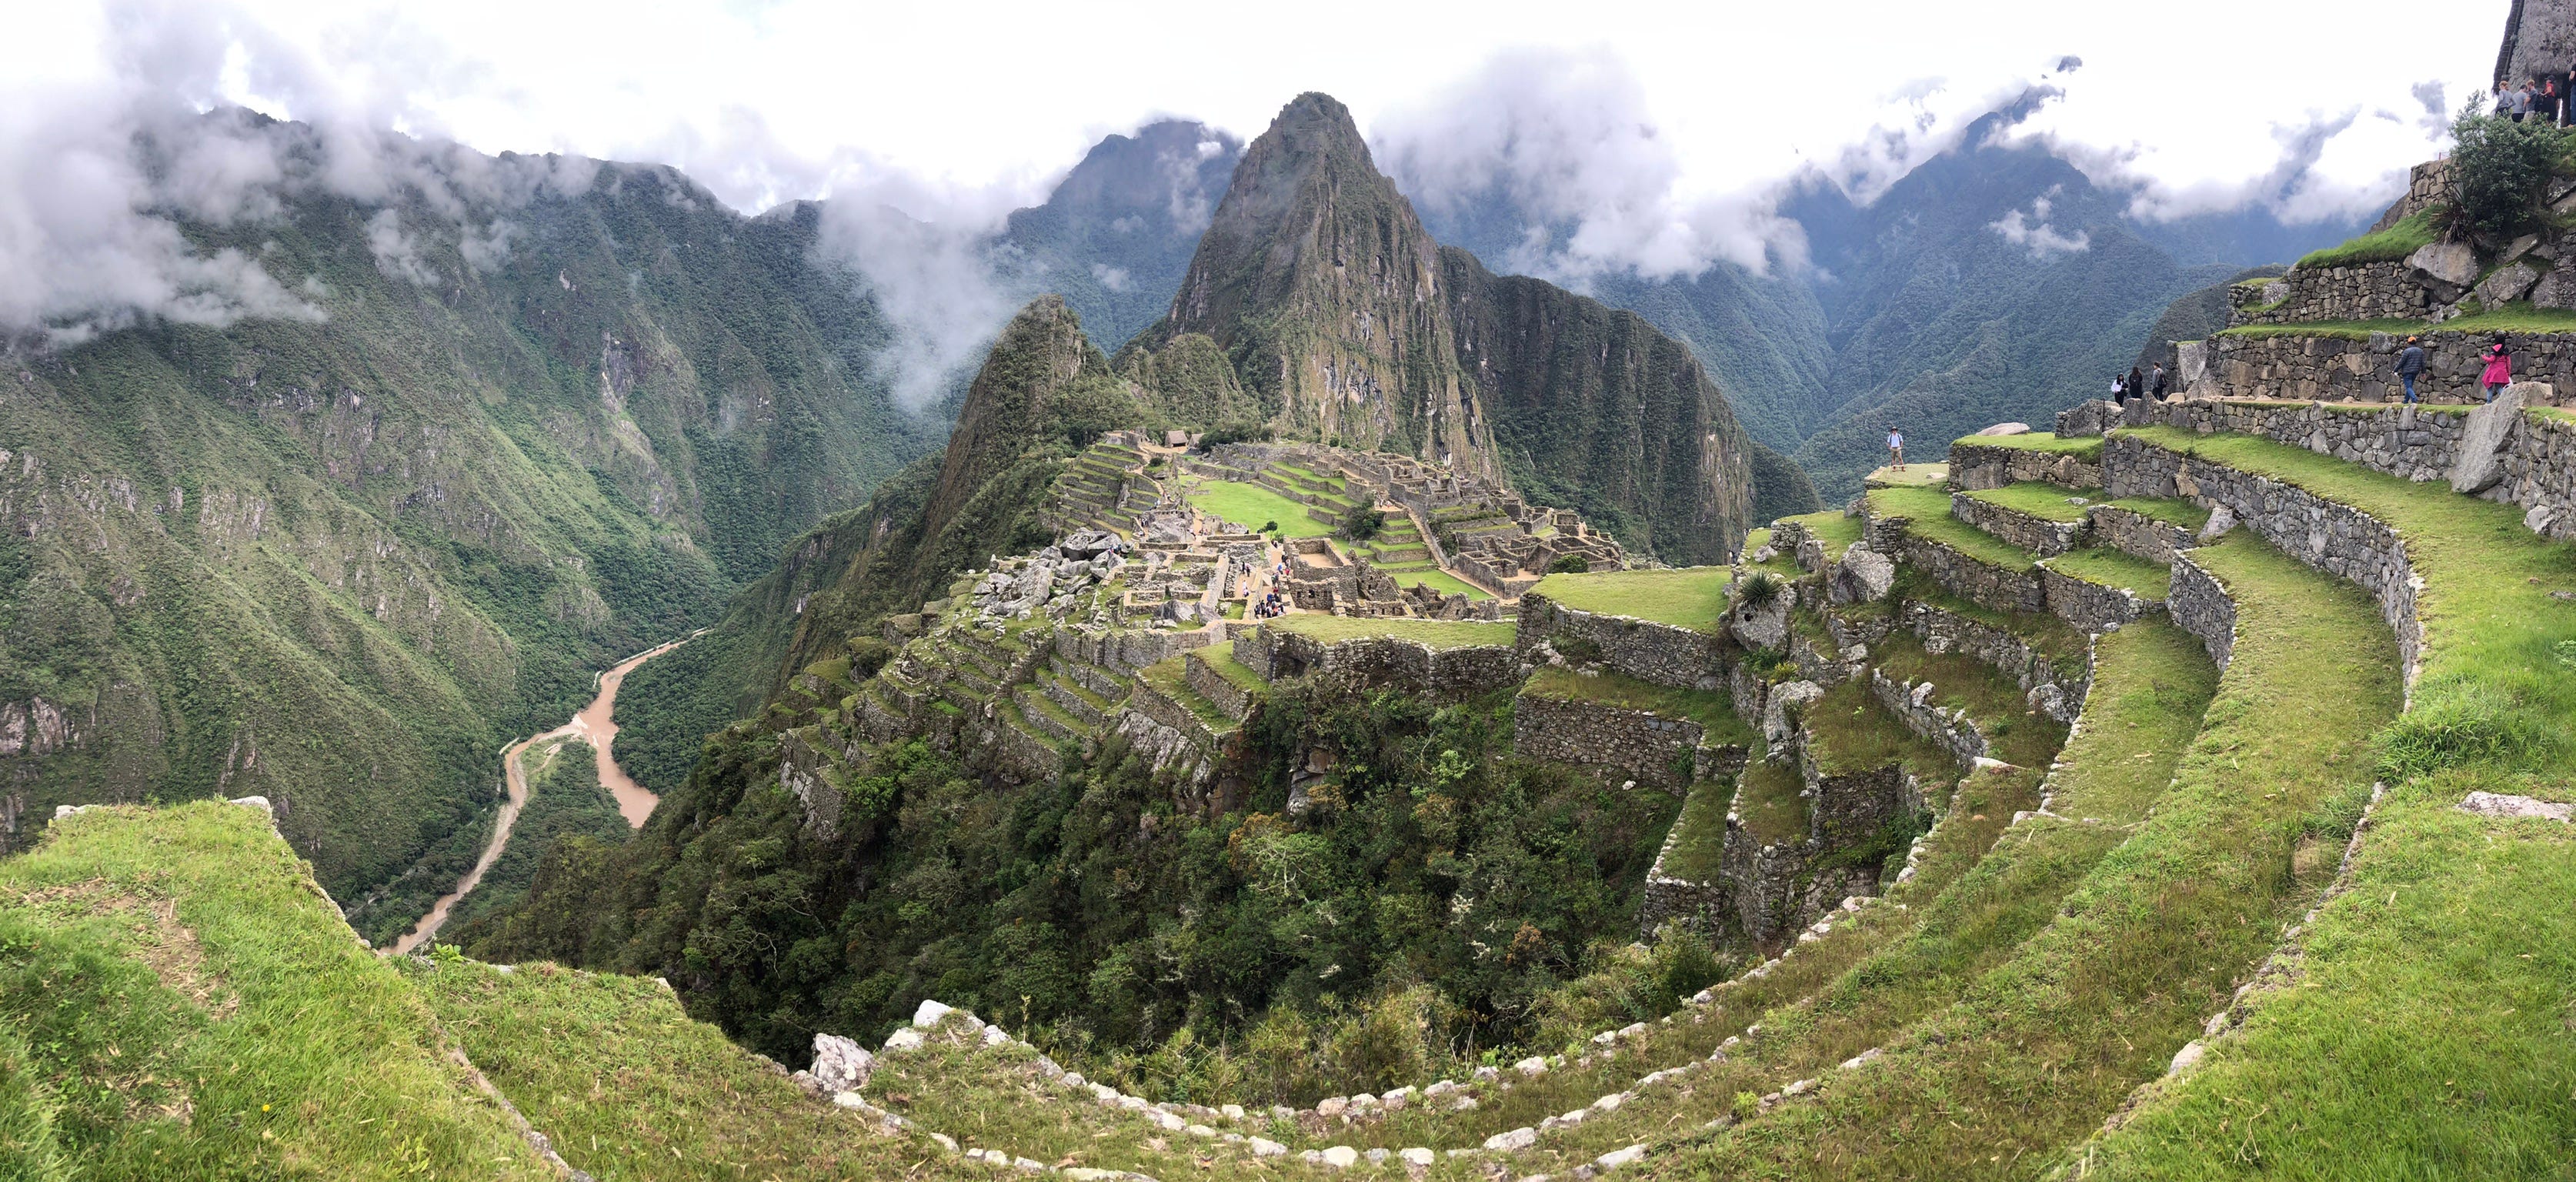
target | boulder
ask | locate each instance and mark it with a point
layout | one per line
(2492, 804)
(929, 1012)
(1762, 627)
(2452, 263)
(2191, 362)
(2007, 429)
(1863, 576)
(2557, 289)
(2506, 285)
(1777, 726)
(841, 1065)
(2479, 463)
(2221, 520)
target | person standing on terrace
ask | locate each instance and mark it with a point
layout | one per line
(2499, 372)
(2410, 364)
(1895, 449)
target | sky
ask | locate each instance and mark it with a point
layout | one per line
(1662, 132)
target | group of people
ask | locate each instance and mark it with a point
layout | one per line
(2134, 384)
(1271, 605)
(2543, 98)
(2496, 372)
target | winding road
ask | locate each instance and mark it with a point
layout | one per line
(596, 724)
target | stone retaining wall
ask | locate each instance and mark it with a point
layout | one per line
(1951, 730)
(2337, 539)
(1381, 662)
(1212, 685)
(2054, 692)
(2371, 291)
(2308, 368)
(2138, 535)
(1661, 653)
(1774, 893)
(1980, 466)
(2538, 455)
(2038, 535)
(1708, 907)
(2201, 606)
(2091, 606)
(1987, 586)
(1655, 751)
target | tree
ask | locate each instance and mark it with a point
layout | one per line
(1569, 564)
(1363, 523)
(2498, 170)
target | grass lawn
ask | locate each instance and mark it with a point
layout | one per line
(1250, 505)
(2427, 1029)
(1853, 733)
(1928, 514)
(178, 999)
(1220, 657)
(2087, 446)
(2015, 733)
(628, 1086)
(1913, 475)
(1700, 842)
(1768, 805)
(1693, 597)
(1169, 678)
(2044, 501)
(2171, 511)
(1836, 529)
(1439, 634)
(2116, 568)
(2179, 902)
(1440, 581)
(2341, 330)
(2412, 234)
(1713, 710)
(2518, 316)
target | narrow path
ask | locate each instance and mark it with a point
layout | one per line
(596, 725)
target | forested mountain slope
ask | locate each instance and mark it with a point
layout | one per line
(539, 413)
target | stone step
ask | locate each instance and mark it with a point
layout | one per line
(1046, 718)
(1090, 708)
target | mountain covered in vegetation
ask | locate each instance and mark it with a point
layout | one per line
(537, 413)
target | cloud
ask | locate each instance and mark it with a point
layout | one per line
(397, 254)
(1113, 278)
(939, 283)
(2032, 232)
(1566, 139)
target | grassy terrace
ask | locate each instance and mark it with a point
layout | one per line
(1438, 580)
(1926, 475)
(1833, 528)
(2514, 317)
(2089, 446)
(1973, 901)
(1439, 634)
(1928, 514)
(1168, 678)
(628, 1086)
(2116, 568)
(2171, 511)
(1251, 505)
(1853, 733)
(1220, 659)
(1700, 841)
(2044, 501)
(1768, 803)
(2016, 733)
(2412, 234)
(1714, 711)
(178, 999)
(2427, 1032)
(1693, 597)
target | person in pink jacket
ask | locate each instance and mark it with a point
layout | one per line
(2499, 368)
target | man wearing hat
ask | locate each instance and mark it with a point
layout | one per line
(2410, 362)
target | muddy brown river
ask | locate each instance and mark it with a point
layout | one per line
(596, 724)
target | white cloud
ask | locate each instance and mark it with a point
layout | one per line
(397, 254)
(1113, 278)
(2038, 236)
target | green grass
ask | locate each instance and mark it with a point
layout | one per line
(1439, 634)
(1928, 514)
(2125, 965)
(183, 1002)
(2088, 446)
(2412, 234)
(2044, 501)
(2518, 316)
(1834, 528)
(1713, 710)
(2171, 511)
(1768, 805)
(629, 1087)
(2427, 1030)
(1250, 505)
(2341, 330)
(1220, 658)
(2060, 642)
(1915, 474)
(2014, 732)
(1853, 733)
(1693, 597)
(1169, 678)
(2116, 568)
(1440, 581)
(1700, 846)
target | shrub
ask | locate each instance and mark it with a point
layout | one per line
(2498, 168)
(1363, 523)
(1758, 590)
(1569, 564)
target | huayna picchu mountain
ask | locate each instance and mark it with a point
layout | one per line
(1346, 323)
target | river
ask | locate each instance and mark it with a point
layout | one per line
(596, 724)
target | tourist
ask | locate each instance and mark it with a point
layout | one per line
(2156, 383)
(1895, 449)
(2522, 102)
(2499, 367)
(2119, 389)
(2137, 383)
(2504, 100)
(2410, 363)
(2551, 102)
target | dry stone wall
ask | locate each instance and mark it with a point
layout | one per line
(2371, 291)
(1911, 703)
(1382, 662)
(2201, 606)
(2138, 535)
(2091, 606)
(1992, 587)
(1654, 750)
(2334, 538)
(1661, 653)
(2038, 535)
(2308, 368)
(2055, 691)
(1982, 466)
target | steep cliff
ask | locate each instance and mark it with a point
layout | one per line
(1344, 320)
